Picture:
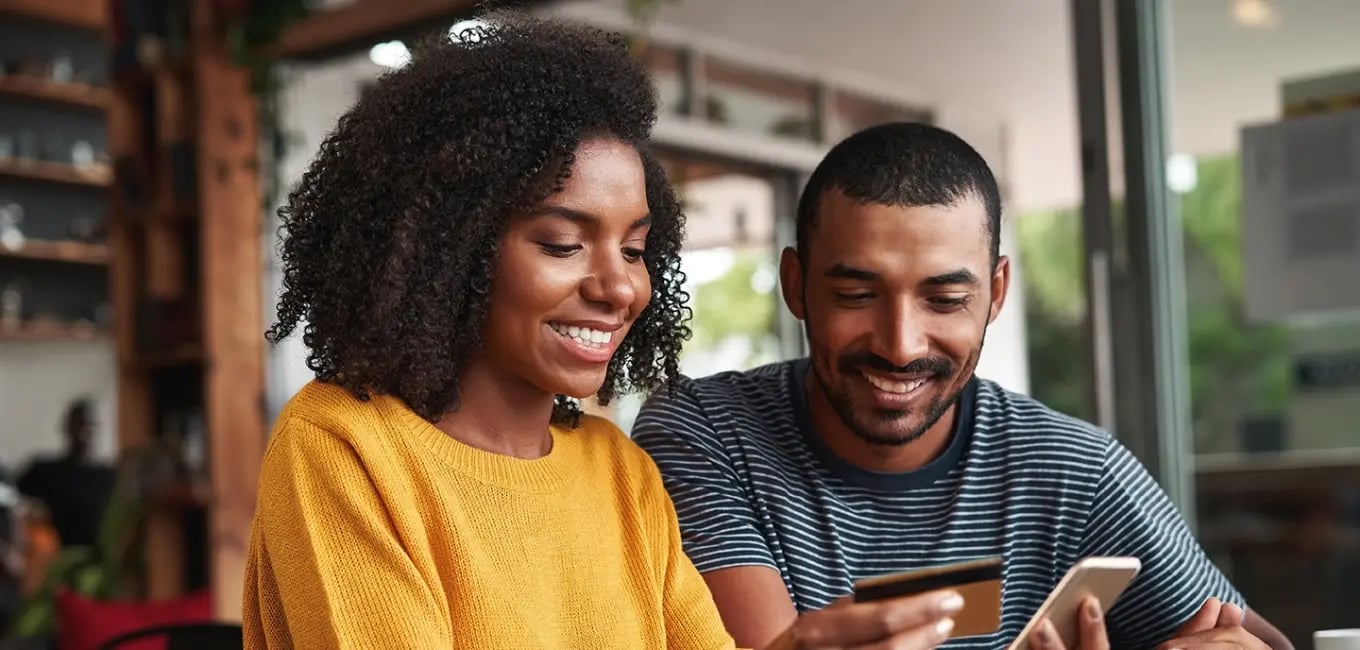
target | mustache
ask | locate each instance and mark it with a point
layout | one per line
(925, 365)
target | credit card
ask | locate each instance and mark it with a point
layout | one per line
(978, 581)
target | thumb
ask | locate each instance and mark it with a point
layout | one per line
(1203, 620)
(1230, 615)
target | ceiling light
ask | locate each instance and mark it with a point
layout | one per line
(1254, 14)
(392, 54)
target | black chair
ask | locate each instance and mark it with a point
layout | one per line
(194, 636)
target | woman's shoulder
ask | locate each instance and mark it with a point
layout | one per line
(325, 404)
(321, 409)
(602, 438)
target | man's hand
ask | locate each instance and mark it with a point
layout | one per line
(1090, 631)
(901, 623)
(1219, 638)
(1213, 613)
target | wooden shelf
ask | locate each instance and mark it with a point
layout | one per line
(1277, 461)
(86, 14)
(61, 251)
(50, 172)
(52, 332)
(358, 24)
(38, 89)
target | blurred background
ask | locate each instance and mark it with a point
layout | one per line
(1181, 186)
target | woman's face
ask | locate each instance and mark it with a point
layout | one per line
(571, 280)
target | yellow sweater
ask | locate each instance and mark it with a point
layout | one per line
(376, 530)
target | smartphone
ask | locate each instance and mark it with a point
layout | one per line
(1103, 577)
(978, 581)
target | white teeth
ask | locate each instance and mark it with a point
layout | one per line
(583, 335)
(888, 386)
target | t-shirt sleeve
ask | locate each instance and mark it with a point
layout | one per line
(1132, 516)
(718, 523)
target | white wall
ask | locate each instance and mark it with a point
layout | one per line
(37, 383)
(313, 99)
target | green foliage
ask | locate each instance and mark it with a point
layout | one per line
(730, 306)
(1236, 367)
(250, 35)
(92, 571)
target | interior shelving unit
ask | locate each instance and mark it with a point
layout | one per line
(146, 235)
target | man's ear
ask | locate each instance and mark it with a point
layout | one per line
(1001, 283)
(791, 282)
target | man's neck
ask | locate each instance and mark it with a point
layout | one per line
(884, 459)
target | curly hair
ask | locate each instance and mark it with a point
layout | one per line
(390, 238)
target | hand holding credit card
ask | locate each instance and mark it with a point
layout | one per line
(978, 581)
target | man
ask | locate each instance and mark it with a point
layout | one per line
(882, 452)
(73, 487)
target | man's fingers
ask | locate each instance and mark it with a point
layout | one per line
(1092, 626)
(1230, 615)
(1045, 637)
(921, 638)
(1205, 619)
(866, 623)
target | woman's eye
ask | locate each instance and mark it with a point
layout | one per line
(633, 254)
(559, 250)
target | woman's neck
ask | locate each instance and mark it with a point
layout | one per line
(501, 415)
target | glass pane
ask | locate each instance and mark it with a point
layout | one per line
(758, 101)
(667, 67)
(851, 112)
(1274, 387)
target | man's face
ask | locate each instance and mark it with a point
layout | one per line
(896, 302)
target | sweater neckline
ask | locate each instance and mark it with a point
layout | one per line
(543, 474)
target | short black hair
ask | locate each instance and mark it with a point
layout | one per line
(904, 164)
(390, 239)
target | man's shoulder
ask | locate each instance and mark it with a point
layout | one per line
(740, 385)
(735, 402)
(1019, 422)
(757, 389)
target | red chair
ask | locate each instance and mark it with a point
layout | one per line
(191, 636)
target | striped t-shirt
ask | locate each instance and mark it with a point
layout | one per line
(753, 485)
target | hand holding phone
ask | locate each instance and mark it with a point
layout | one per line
(1100, 578)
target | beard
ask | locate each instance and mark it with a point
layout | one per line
(894, 427)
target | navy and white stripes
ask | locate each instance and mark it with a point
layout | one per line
(753, 486)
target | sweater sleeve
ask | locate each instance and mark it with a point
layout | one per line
(326, 567)
(691, 617)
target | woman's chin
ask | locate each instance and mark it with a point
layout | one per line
(579, 389)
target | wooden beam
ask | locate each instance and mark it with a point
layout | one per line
(330, 31)
(86, 14)
(233, 320)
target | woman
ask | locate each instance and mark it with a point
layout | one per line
(482, 238)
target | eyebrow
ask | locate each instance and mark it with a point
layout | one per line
(961, 276)
(847, 272)
(579, 216)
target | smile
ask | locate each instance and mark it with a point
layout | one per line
(584, 336)
(893, 386)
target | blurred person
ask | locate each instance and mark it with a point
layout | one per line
(484, 238)
(73, 487)
(882, 452)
